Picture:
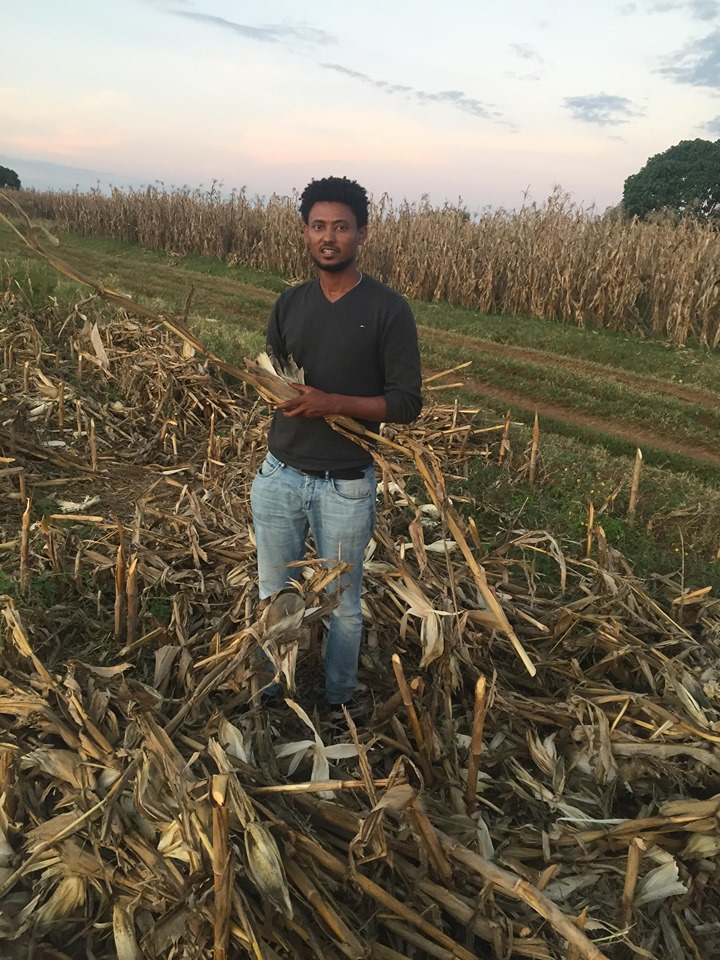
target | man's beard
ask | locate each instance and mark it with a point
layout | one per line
(333, 267)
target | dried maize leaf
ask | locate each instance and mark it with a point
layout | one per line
(62, 764)
(68, 896)
(172, 843)
(233, 741)
(659, 884)
(126, 943)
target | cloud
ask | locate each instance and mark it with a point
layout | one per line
(68, 143)
(713, 126)
(603, 109)
(698, 9)
(454, 98)
(267, 33)
(526, 52)
(525, 77)
(697, 64)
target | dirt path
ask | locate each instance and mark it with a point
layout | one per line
(640, 437)
(696, 395)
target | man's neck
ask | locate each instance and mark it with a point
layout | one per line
(336, 285)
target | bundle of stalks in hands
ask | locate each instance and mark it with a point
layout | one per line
(537, 775)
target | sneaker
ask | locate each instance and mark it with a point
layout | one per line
(272, 695)
(359, 710)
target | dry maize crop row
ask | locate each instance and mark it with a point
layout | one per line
(553, 261)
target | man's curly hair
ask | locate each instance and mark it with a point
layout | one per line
(335, 190)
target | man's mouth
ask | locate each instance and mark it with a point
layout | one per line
(329, 250)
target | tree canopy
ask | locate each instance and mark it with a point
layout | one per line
(8, 178)
(684, 179)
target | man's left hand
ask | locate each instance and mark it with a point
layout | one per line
(310, 402)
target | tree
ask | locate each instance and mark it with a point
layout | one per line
(685, 179)
(8, 178)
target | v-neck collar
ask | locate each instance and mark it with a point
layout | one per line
(343, 295)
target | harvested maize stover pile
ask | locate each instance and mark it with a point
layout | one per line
(153, 804)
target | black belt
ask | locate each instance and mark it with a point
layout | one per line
(346, 473)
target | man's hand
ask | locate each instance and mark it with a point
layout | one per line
(310, 402)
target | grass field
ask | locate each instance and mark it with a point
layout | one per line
(598, 394)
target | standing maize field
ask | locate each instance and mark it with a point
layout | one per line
(555, 261)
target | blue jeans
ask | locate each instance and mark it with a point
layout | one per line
(286, 505)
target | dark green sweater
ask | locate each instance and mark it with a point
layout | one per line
(362, 345)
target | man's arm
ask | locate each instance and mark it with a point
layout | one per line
(274, 343)
(401, 366)
(311, 402)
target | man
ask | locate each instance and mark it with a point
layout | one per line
(356, 341)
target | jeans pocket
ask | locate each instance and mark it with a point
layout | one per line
(269, 466)
(361, 489)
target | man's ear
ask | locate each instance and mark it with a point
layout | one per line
(362, 235)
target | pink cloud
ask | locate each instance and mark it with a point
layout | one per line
(71, 144)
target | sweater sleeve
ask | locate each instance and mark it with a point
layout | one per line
(274, 342)
(401, 366)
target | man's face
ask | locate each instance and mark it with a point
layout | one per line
(333, 236)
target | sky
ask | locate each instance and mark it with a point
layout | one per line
(479, 100)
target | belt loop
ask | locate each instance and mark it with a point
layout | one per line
(327, 474)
